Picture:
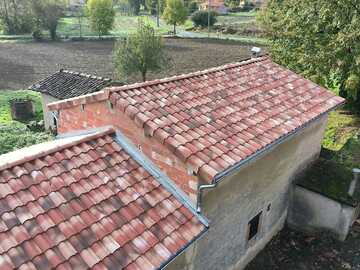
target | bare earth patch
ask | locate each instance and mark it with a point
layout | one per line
(22, 64)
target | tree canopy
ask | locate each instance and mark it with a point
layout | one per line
(102, 15)
(48, 14)
(175, 13)
(141, 52)
(320, 39)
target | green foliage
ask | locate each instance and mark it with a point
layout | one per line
(135, 6)
(175, 13)
(102, 15)
(141, 52)
(16, 135)
(152, 6)
(48, 13)
(192, 7)
(16, 17)
(200, 18)
(352, 86)
(319, 38)
(232, 3)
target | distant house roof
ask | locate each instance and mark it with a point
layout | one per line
(67, 84)
(217, 119)
(84, 202)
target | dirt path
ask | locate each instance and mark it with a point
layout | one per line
(22, 64)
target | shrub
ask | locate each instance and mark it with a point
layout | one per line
(200, 18)
(141, 52)
(16, 135)
(175, 13)
(102, 15)
(193, 7)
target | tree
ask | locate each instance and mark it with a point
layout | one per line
(175, 13)
(48, 14)
(142, 51)
(16, 16)
(135, 6)
(201, 18)
(320, 39)
(102, 15)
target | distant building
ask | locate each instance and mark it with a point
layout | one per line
(215, 5)
(63, 85)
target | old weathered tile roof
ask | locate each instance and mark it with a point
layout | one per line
(218, 118)
(85, 203)
(67, 84)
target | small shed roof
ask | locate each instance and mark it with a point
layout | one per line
(68, 84)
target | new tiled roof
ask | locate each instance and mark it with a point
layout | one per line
(217, 118)
(67, 84)
(85, 203)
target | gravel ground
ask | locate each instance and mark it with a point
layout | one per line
(22, 64)
(299, 251)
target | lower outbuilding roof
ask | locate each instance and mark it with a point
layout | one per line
(86, 203)
(68, 84)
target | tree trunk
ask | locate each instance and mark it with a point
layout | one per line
(52, 33)
(143, 75)
(175, 29)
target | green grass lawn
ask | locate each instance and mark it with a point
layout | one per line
(15, 134)
(123, 26)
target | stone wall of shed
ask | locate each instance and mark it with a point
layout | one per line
(240, 197)
(99, 114)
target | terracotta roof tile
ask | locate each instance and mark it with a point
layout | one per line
(216, 118)
(85, 203)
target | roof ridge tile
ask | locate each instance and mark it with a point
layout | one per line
(54, 148)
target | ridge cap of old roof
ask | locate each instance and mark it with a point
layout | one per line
(33, 152)
(83, 74)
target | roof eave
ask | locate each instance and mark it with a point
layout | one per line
(239, 165)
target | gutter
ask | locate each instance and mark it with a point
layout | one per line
(260, 153)
(183, 249)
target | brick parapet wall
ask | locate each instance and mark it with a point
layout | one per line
(102, 113)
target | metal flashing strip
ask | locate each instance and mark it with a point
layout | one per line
(161, 177)
(83, 132)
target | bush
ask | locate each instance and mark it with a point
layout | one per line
(102, 15)
(16, 135)
(193, 7)
(200, 18)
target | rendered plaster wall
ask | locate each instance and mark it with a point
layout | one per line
(48, 118)
(311, 211)
(238, 198)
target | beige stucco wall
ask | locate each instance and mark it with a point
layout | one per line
(48, 118)
(238, 198)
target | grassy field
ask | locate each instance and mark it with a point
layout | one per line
(14, 134)
(243, 22)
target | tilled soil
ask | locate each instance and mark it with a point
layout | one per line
(291, 250)
(22, 64)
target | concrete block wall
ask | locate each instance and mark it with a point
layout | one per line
(311, 211)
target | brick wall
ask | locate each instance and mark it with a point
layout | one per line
(98, 114)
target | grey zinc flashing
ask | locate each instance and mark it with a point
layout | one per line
(161, 177)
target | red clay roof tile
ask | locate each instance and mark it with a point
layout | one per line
(248, 105)
(87, 204)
